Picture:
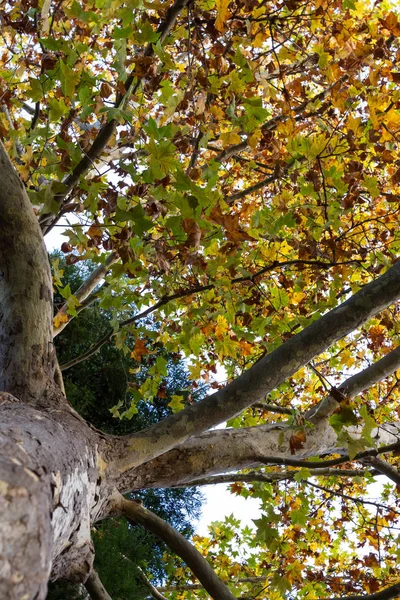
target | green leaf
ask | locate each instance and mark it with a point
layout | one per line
(369, 425)
(69, 79)
(162, 158)
(265, 532)
(57, 108)
(176, 403)
(302, 473)
(136, 216)
(344, 417)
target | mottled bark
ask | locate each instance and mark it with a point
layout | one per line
(221, 451)
(27, 358)
(51, 491)
(216, 452)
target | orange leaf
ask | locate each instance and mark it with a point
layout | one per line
(296, 441)
(139, 350)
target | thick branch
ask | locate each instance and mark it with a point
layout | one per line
(27, 359)
(277, 476)
(96, 589)
(221, 451)
(138, 514)
(263, 376)
(355, 385)
(86, 289)
(385, 468)
(391, 592)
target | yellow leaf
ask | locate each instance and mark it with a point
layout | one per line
(223, 14)
(255, 138)
(230, 137)
(61, 317)
(176, 403)
(221, 327)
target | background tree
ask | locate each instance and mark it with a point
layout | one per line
(232, 168)
(95, 388)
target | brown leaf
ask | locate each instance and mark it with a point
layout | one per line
(139, 350)
(297, 440)
(193, 231)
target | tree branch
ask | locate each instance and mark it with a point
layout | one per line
(391, 592)
(385, 468)
(95, 588)
(272, 477)
(265, 375)
(86, 289)
(196, 586)
(138, 514)
(355, 385)
(189, 292)
(153, 590)
(272, 124)
(273, 408)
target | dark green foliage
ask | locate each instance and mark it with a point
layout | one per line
(94, 387)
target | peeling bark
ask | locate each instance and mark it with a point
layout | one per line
(51, 491)
(27, 357)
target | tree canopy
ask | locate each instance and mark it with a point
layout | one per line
(232, 167)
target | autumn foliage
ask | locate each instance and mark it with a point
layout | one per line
(240, 161)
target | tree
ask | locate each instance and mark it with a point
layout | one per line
(233, 169)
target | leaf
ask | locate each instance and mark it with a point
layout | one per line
(230, 138)
(222, 14)
(176, 403)
(140, 350)
(369, 425)
(137, 216)
(296, 441)
(302, 473)
(265, 532)
(69, 78)
(58, 108)
(193, 231)
(60, 318)
(343, 417)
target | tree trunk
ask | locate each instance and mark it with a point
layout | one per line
(51, 491)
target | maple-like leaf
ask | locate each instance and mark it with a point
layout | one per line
(140, 350)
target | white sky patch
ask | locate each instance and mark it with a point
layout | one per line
(220, 503)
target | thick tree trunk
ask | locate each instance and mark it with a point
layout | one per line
(27, 357)
(51, 491)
